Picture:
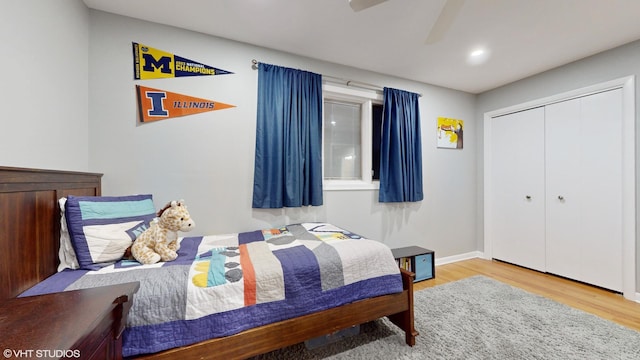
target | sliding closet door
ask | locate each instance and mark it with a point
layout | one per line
(584, 189)
(517, 188)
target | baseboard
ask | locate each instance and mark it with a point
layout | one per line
(459, 257)
(638, 297)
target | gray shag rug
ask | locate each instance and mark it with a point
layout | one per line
(481, 318)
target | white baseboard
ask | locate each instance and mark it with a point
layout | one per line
(459, 257)
(638, 297)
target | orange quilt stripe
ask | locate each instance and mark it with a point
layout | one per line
(249, 276)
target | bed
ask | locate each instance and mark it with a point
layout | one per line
(31, 212)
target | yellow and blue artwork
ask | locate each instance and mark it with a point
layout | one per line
(450, 133)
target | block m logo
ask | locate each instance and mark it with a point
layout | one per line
(151, 64)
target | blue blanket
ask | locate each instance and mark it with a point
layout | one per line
(223, 284)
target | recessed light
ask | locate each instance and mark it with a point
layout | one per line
(478, 56)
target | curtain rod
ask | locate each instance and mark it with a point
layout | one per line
(360, 84)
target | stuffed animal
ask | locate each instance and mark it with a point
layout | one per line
(160, 240)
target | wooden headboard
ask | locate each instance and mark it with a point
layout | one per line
(30, 222)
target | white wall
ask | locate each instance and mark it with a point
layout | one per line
(613, 64)
(207, 159)
(43, 95)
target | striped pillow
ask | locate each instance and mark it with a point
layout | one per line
(102, 227)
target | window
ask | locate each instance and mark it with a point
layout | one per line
(351, 138)
(343, 141)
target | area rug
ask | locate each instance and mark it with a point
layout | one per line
(481, 318)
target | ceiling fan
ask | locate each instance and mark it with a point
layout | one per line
(443, 22)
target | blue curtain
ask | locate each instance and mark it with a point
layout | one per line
(288, 159)
(400, 148)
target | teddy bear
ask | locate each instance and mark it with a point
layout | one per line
(160, 240)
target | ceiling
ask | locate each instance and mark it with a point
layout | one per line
(521, 37)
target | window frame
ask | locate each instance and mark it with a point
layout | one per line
(366, 98)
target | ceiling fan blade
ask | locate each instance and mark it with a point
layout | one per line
(448, 14)
(358, 5)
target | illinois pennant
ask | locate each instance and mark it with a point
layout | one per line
(150, 63)
(155, 104)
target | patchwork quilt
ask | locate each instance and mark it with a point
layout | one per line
(223, 284)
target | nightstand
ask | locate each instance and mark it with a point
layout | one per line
(417, 260)
(81, 324)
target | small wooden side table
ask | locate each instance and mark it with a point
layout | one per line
(77, 324)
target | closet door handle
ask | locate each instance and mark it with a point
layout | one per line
(560, 197)
(528, 197)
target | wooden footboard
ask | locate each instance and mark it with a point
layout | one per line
(404, 319)
(260, 340)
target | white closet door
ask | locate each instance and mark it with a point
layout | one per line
(584, 189)
(563, 185)
(517, 188)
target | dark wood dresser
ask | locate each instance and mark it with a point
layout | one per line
(78, 324)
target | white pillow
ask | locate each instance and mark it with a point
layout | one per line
(66, 254)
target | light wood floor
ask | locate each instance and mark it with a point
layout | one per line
(588, 298)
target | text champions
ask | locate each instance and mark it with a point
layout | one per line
(194, 68)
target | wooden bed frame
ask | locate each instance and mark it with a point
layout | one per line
(30, 227)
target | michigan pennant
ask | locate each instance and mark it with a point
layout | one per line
(155, 104)
(150, 63)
